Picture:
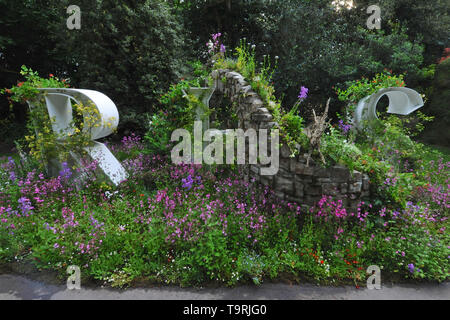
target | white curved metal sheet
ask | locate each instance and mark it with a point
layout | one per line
(402, 101)
(59, 106)
(109, 119)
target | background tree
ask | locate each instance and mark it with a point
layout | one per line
(131, 51)
(25, 38)
(134, 50)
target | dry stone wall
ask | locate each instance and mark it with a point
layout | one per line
(294, 181)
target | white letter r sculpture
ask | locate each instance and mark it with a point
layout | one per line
(59, 107)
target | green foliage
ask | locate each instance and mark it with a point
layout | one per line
(438, 133)
(259, 75)
(27, 90)
(27, 37)
(421, 18)
(345, 51)
(411, 125)
(177, 111)
(321, 46)
(217, 229)
(158, 134)
(291, 125)
(383, 148)
(359, 89)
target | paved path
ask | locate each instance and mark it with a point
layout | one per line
(19, 287)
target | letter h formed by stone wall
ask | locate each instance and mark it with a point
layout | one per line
(294, 181)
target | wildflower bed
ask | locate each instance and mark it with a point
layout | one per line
(194, 225)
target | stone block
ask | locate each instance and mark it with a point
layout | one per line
(356, 176)
(285, 173)
(304, 179)
(259, 110)
(267, 125)
(267, 180)
(285, 185)
(255, 169)
(322, 172)
(330, 189)
(365, 194)
(311, 200)
(285, 152)
(355, 187)
(313, 190)
(280, 195)
(320, 181)
(246, 89)
(285, 164)
(302, 169)
(340, 173)
(365, 182)
(267, 117)
(299, 189)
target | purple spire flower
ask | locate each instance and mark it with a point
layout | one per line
(303, 93)
(222, 48)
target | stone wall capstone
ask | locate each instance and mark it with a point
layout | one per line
(294, 181)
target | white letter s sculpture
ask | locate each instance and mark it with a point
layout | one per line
(59, 107)
(402, 101)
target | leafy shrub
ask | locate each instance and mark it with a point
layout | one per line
(359, 89)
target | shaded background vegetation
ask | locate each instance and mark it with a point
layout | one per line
(133, 50)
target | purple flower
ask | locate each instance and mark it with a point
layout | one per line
(25, 206)
(411, 267)
(303, 93)
(222, 48)
(345, 128)
(65, 173)
(12, 176)
(187, 183)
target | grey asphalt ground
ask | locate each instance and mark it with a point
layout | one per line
(17, 287)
